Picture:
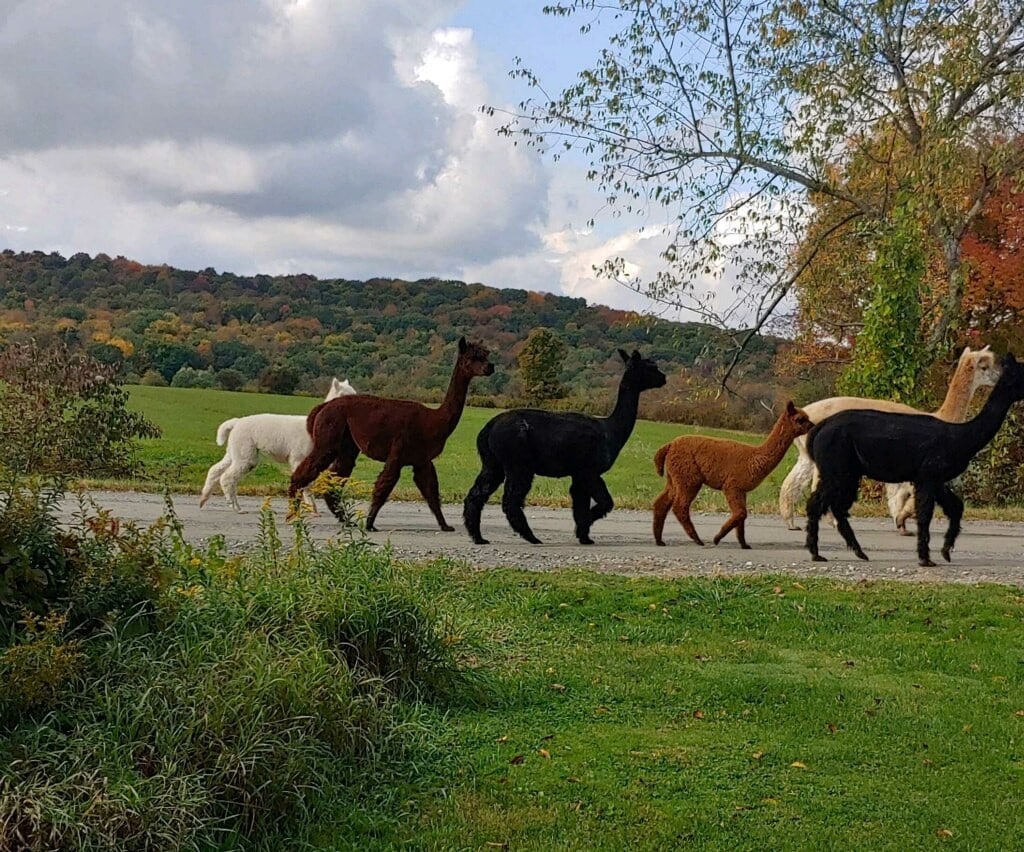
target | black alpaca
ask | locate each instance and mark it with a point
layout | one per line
(525, 442)
(915, 448)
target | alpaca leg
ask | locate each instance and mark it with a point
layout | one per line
(953, 507)
(342, 467)
(311, 467)
(737, 500)
(683, 499)
(897, 497)
(213, 478)
(486, 484)
(662, 504)
(517, 486)
(817, 505)
(230, 478)
(382, 489)
(842, 502)
(580, 494)
(924, 497)
(603, 502)
(795, 483)
(425, 477)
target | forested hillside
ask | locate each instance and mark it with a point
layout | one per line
(287, 333)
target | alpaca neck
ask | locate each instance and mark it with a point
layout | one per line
(982, 429)
(451, 408)
(766, 457)
(620, 423)
(958, 397)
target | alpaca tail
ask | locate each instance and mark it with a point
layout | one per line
(224, 430)
(659, 459)
(311, 417)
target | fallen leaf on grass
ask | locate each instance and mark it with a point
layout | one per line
(503, 739)
(572, 779)
(1019, 713)
(602, 709)
(777, 590)
(832, 728)
(757, 755)
(967, 728)
(796, 764)
(517, 759)
(944, 832)
(543, 752)
(558, 687)
(548, 737)
(698, 714)
(496, 844)
(799, 586)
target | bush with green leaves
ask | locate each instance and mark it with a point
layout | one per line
(262, 688)
(64, 414)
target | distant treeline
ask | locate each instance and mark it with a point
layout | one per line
(290, 333)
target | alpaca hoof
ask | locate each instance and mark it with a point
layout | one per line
(446, 528)
(817, 557)
(745, 546)
(794, 528)
(700, 542)
(659, 543)
(945, 553)
(926, 563)
(371, 528)
(903, 531)
(586, 540)
(533, 540)
(860, 554)
(479, 540)
(714, 541)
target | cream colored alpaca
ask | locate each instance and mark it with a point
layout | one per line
(975, 369)
(282, 437)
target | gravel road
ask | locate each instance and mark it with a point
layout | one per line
(987, 551)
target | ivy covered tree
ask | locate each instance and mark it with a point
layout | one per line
(540, 364)
(887, 358)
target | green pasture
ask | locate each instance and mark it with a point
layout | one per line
(718, 714)
(189, 419)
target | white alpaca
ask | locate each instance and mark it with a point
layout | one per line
(282, 437)
(975, 369)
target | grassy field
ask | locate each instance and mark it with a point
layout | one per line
(189, 420)
(722, 714)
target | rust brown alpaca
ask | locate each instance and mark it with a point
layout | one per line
(398, 432)
(690, 462)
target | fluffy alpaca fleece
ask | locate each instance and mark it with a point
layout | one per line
(520, 444)
(974, 370)
(690, 462)
(398, 432)
(282, 437)
(914, 448)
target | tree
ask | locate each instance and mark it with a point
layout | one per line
(731, 114)
(64, 414)
(540, 362)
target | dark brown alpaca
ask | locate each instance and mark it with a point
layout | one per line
(397, 432)
(691, 461)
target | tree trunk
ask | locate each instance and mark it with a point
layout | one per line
(949, 304)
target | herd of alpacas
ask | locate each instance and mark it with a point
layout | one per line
(839, 440)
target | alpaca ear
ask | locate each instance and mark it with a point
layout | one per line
(790, 408)
(984, 348)
(462, 344)
(636, 355)
(624, 356)
(966, 352)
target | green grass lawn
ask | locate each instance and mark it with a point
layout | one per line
(758, 713)
(189, 420)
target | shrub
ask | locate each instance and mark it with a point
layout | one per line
(275, 683)
(190, 377)
(65, 414)
(230, 379)
(152, 378)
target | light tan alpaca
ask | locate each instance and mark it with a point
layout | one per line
(975, 369)
(690, 462)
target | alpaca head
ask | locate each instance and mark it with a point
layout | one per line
(1012, 376)
(342, 388)
(474, 359)
(795, 420)
(980, 366)
(641, 373)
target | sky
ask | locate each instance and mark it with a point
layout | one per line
(341, 138)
